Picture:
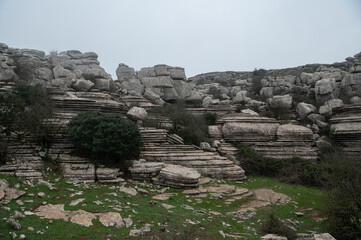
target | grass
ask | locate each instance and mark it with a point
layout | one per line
(142, 209)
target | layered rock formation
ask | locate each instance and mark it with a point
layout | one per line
(157, 84)
(265, 135)
(157, 149)
(346, 128)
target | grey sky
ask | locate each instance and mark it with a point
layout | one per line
(199, 35)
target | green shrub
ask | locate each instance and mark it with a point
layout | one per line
(211, 118)
(343, 199)
(25, 108)
(292, 170)
(257, 76)
(193, 129)
(105, 138)
(276, 226)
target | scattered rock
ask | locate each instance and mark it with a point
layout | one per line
(82, 218)
(130, 191)
(11, 194)
(167, 206)
(41, 194)
(14, 224)
(76, 202)
(111, 219)
(137, 113)
(128, 222)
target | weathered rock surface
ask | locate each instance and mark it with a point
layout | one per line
(137, 113)
(178, 177)
(346, 128)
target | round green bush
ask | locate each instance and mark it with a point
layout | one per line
(105, 138)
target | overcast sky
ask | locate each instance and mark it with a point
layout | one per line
(199, 35)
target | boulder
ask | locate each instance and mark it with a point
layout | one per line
(304, 109)
(280, 102)
(178, 177)
(326, 108)
(124, 72)
(82, 85)
(137, 113)
(205, 146)
(151, 96)
(241, 96)
(355, 100)
(133, 86)
(142, 170)
(207, 101)
(325, 90)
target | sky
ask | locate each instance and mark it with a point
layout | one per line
(200, 35)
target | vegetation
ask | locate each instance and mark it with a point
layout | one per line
(276, 226)
(193, 129)
(343, 198)
(292, 170)
(165, 224)
(211, 118)
(105, 138)
(257, 76)
(25, 109)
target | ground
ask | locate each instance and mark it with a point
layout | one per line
(191, 217)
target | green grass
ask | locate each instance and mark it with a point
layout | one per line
(142, 210)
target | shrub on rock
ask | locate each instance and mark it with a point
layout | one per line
(105, 138)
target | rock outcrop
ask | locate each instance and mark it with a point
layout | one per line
(346, 128)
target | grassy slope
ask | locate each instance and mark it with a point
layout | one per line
(142, 211)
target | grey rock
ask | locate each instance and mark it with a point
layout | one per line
(82, 85)
(355, 100)
(207, 101)
(326, 108)
(304, 109)
(14, 224)
(325, 90)
(124, 72)
(137, 113)
(205, 146)
(280, 102)
(133, 86)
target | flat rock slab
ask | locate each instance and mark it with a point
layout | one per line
(51, 211)
(205, 180)
(224, 188)
(253, 205)
(80, 217)
(2, 193)
(164, 196)
(111, 219)
(179, 172)
(130, 191)
(265, 194)
(76, 202)
(10, 194)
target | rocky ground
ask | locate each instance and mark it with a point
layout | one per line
(217, 209)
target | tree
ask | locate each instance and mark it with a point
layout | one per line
(104, 138)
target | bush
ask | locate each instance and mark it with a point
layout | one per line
(191, 128)
(292, 170)
(257, 76)
(105, 138)
(343, 200)
(25, 108)
(211, 118)
(276, 226)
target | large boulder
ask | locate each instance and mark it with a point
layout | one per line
(124, 72)
(280, 102)
(133, 86)
(82, 85)
(325, 90)
(137, 113)
(326, 108)
(178, 177)
(304, 109)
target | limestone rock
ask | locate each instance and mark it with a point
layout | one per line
(178, 177)
(304, 109)
(51, 211)
(11, 194)
(145, 170)
(133, 86)
(326, 108)
(82, 218)
(280, 102)
(111, 219)
(325, 90)
(82, 85)
(137, 113)
(124, 72)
